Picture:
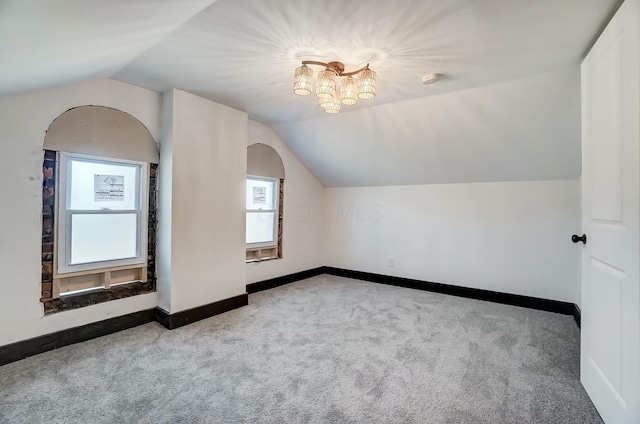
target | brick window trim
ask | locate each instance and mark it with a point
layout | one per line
(97, 295)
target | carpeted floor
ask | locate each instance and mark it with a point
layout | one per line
(323, 350)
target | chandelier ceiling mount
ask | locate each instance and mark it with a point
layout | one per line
(338, 67)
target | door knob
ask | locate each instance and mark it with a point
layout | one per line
(576, 238)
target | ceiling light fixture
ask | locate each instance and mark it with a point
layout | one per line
(330, 95)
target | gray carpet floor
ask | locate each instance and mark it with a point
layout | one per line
(322, 350)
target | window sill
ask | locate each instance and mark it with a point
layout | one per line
(99, 270)
(257, 261)
(261, 254)
(97, 295)
(96, 279)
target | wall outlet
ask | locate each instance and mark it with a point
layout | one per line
(391, 262)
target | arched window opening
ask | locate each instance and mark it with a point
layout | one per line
(264, 203)
(99, 208)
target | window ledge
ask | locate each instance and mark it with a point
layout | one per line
(257, 261)
(98, 295)
(105, 278)
(260, 254)
(99, 270)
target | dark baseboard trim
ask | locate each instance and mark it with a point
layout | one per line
(577, 315)
(285, 279)
(565, 308)
(182, 318)
(479, 294)
(23, 349)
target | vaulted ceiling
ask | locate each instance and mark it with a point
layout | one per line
(507, 107)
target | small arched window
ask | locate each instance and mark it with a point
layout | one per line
(264, 203)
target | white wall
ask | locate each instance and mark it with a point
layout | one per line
(24, 119)
(208, 173)
(165, 200)
(511, 237)
(303, 231)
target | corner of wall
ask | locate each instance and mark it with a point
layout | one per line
(165, 188)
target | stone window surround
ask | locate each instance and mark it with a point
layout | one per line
(98, 295)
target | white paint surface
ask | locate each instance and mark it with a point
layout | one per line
(522, 130)
(610, 337)
(50, 43)
(208, 174)
(165, 201)
(508, 237)
(101, 131)
(578, 301)
(303, 231)
(24, 119)
(243, 53)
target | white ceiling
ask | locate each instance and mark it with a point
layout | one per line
(47, 43)
(521, 130)
(471, 126)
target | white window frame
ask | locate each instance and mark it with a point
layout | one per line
(64, 215)
(276, 213)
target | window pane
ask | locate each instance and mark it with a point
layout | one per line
(98, 237)
(100, 185)
(260, 194)
(260, 227)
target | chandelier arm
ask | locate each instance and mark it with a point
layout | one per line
(313, 62)
(346, 74)
(340, 73)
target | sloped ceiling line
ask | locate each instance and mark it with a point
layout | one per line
(507, 110)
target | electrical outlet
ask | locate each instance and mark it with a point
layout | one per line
(391, 262)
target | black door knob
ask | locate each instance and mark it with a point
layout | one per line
(576, 238)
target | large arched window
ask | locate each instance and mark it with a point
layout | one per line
(264, 200)
(98, 208)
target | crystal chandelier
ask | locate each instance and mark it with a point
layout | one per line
(330, 95)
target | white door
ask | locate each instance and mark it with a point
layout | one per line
(610, 357)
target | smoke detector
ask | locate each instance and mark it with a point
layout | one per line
(430, 79)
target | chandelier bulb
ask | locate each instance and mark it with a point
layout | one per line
(303, 81)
